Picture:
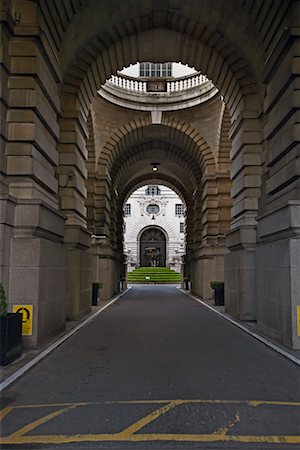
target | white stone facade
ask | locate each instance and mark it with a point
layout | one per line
(169, 221)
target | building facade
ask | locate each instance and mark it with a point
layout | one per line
(154, 225)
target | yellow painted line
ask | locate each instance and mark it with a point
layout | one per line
(259, 402)
(224, 430)
(149, 402)
(31, 426)
(61, 439)
(5, 411)
(49, 405)
(149, 418)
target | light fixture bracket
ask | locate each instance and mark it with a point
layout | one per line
(155, 166)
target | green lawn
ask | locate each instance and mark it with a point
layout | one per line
(153, 275)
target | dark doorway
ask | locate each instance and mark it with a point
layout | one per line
(153, 248)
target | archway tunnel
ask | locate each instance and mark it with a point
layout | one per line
(72, 157)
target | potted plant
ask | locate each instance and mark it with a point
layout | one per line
(218, 287)
(10, 332)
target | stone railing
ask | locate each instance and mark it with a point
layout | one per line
(158, 94)
(174, 85)
(187, 82)
(131, 84)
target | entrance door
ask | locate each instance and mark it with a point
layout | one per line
(153, 248)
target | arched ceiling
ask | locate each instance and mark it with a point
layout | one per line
(177, 167)
(171, 136)
(180, 152)
(225, 40)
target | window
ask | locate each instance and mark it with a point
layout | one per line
(155, 70)
(152, 190)
(181, 229)
(179, 209)
(127, 210)
(152, 209)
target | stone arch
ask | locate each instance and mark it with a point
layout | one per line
(120, 43)
(179, 132)
(103, 56)
(251, 58)
(168, 181)
(200, 165)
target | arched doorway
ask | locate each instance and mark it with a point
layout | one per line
(153, 248)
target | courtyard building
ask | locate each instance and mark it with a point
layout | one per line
(154, 228)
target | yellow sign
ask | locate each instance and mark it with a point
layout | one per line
(26, 311)
(298, 319)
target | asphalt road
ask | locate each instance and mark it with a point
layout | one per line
(156, 370)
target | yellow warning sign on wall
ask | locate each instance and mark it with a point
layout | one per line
(298, 319)
(26, 311)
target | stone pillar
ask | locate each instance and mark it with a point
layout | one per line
(207, 265)
(106, 267)
(79, 272)
(240, 294)
(278, 252)
(72, 173)
(38, 267)
(278, 273)
(212, 220)
(33, 262)
(7, 202)
(7, 218)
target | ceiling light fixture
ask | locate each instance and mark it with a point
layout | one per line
(155, 166)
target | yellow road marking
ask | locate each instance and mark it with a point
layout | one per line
(128, 402)
(5, 411)
(255, 403)
(31, 426)
(129, 433)
(136, 402)
(224, 430)
(61, 439)
(149, 418)
(50, 405)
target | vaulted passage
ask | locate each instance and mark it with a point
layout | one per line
(79, 137)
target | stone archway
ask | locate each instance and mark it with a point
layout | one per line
(52, 67)
(153, 248)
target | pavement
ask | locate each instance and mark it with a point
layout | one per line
(155, 370)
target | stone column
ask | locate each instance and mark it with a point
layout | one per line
(106, 267)
(278, 252)
(72, 174)
(240, 294)
(212, 219)
(33, 264)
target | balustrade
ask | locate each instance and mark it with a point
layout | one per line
(176, 85)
